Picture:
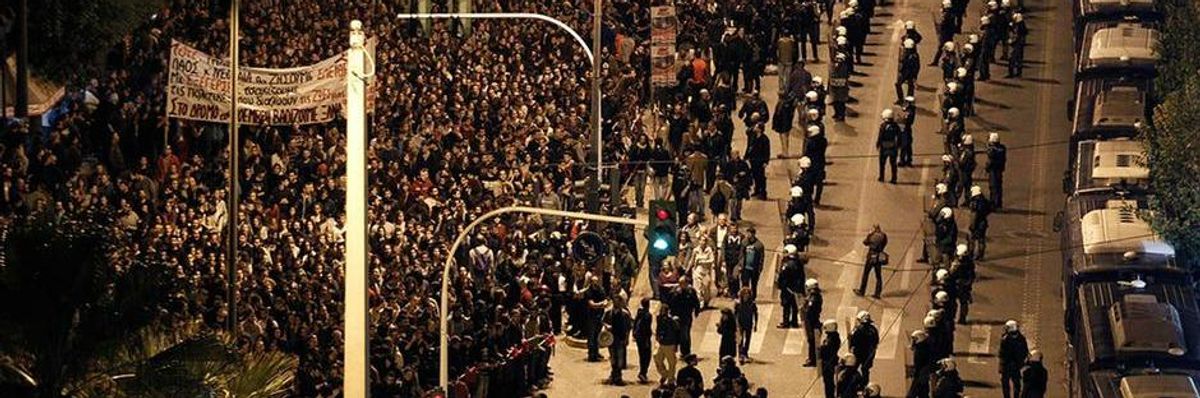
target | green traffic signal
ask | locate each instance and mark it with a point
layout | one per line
(662, 229)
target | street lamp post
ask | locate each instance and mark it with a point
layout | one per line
(444, 313)
(231, 196)
(355, 379)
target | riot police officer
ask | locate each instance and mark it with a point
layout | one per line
(909, 111)
(813, 301)
(848, 380)
(963, 272)
(981, 208)
(965, 160)
(839, 84)
(791, 275)
(997, 159)
(888, 143)
(864, 341)
(1014, 351)
(814, 150)
(946, 383)
(922, 364)
(946, 231)
(1017, 32)
(828, 356)
(909, 70)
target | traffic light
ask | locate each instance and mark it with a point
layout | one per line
(662, 229)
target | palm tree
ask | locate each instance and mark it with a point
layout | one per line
(80, 317)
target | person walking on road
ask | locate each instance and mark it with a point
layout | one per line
(875, 242)
(1014, 352)
(888, 143)
(1034, 376)
(619, 324)
(758, 154)
(745, 311)
(685, 304)
(828, 356)
(643, 331)
(813, 301)
(667, 335)
(752, 263)
(727, 328)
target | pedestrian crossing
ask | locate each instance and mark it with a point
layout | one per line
(771, 340)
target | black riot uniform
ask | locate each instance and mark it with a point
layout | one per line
(864, 341)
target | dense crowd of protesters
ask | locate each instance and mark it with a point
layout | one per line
(464, 124)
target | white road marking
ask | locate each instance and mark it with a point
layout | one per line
(794, 343)
(845, 319)
(764, 324)
(981, 342)
(889, 339)
(711, 342)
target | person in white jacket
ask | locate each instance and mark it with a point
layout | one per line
(704, 260)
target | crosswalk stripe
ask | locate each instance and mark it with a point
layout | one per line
(711, 341)
(845, 320)
(764, 324)
(794, 343)
(981, 338)
(890, 338)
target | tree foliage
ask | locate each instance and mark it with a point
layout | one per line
(80, 317)
(66, 36)
(1171, 143)
(1173, 149)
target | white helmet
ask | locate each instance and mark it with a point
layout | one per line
(849, 359)
(972, 39)
(1011, 326)
(941, 297)
(852, 3)
(814, 114)
(1017, 17)
(940, 188)
(805, 161)
(992, 4)
(909, 44)
(948, 364)
(984, 20)
(952, 86)
(919, 335)
(796, 192)
(841, 40)
(976, 190)
(953, 112)
(886, 114)
(813, 131)
(1035, 356)
(994, 137)
(948, 46)
(946, 212)
(934, 313)
(960, 250)
(829, 325)
(864, 316)
(910, 24)
(811, 96)
(790, 248)
(968, 139)
(962, 72)
(817, 80)
(929, 322)
(1006, 3)
(798, 219)
(910, 99)
(947, 159)
(873, 390)
(811, 283)
(941, 274)
(947, 3)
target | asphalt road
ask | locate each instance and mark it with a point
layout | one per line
(1019, 279)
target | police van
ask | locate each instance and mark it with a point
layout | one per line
(1134, 336)
(1107, 10)
(1106, 238)
(1136, 383)
(1110, 106)
(1105, 166)
(1117, 47)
